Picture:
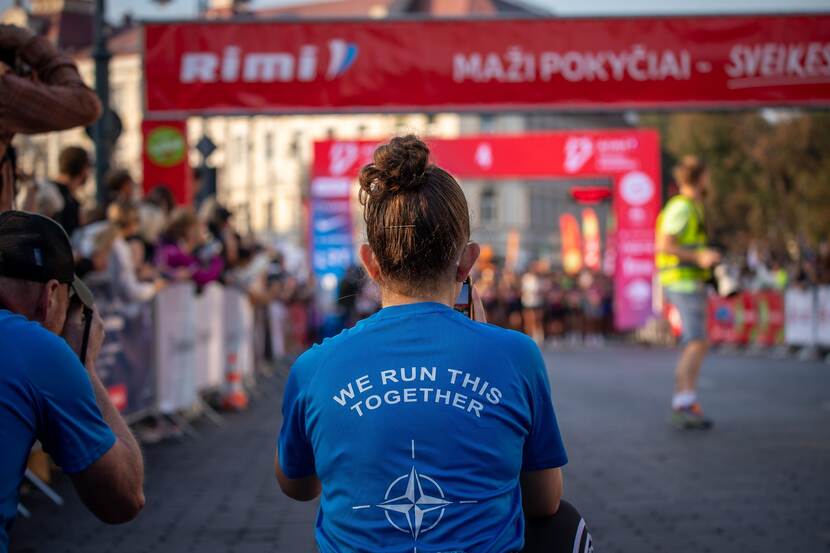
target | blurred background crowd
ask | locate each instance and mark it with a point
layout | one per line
(138, 245)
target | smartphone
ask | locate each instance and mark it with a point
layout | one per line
(464, 301)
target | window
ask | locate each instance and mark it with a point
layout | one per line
(269, 146)
(269, 215)
(116, 97)
(488, 206)
(294, 146)
(487, 122)
(239, 150)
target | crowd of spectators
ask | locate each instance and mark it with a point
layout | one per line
(547, 304)
(762, 267)
(137, 245)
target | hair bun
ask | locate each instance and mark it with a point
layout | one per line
(397, 166)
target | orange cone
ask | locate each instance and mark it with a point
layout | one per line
(236, 398)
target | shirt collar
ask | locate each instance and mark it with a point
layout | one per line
(410, 309)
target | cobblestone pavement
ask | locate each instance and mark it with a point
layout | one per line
(759, 482)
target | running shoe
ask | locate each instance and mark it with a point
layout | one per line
(691, 418)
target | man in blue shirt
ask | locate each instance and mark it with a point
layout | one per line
(46, 394)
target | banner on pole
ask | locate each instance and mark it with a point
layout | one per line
(592, 253)
(571, 243)
(165, 158)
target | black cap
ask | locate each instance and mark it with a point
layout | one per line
(36, 248)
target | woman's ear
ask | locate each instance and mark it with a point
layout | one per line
(468, 258)
(367, 257)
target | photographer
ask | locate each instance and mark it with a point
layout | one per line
(50, 337)
(40, 91)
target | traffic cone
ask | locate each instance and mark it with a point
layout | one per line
(236, 399)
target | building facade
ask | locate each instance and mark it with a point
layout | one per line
(262, 161)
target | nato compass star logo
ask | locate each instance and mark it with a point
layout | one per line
(414, 503)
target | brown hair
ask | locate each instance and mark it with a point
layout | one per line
(416, 215)
(123, 214)
(73, 161)
(181, 220)
(689, 171)
(117, 180)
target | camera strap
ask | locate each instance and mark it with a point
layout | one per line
(87, 316)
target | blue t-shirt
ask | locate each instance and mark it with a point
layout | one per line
(46, 395)
(419, 421)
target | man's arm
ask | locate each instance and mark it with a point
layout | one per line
(541, 492)
(57, 99)
(704, 257)
(113, 486)
(301, 489)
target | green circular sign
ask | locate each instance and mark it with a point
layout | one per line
(166, 146)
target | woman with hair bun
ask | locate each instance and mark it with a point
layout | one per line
(424, 430)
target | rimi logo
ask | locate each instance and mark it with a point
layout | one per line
(264, 67)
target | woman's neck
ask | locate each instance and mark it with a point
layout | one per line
(390, 298)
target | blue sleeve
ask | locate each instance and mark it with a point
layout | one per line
(543, 447)
(71, 428)
(296, 454)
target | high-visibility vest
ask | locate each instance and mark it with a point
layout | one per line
(693, 237)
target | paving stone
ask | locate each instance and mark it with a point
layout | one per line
(757, 482)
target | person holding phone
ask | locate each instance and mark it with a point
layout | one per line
(422, 429)
(50, 337)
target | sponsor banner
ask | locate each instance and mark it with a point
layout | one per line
(591, 239)
(823, 315)
(210, 334)
(125, 364)
(176, 347)
(721, 324)
(625, 62)
(630, 158)
(238, 333)
(769, 330)
(800, 318)
(746, 318)
(571, 243)
(513, 249)
(164, 151)
(331, 242)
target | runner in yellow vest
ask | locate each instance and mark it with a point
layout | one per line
(684, 262)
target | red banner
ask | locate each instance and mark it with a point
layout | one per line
(165, 158)
(746, 318)
(474, 64)
(590, 239)
(629, 158)
(571, 243)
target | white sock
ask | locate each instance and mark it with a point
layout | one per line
(682, 400)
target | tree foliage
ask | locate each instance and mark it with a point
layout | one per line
(770, 176)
